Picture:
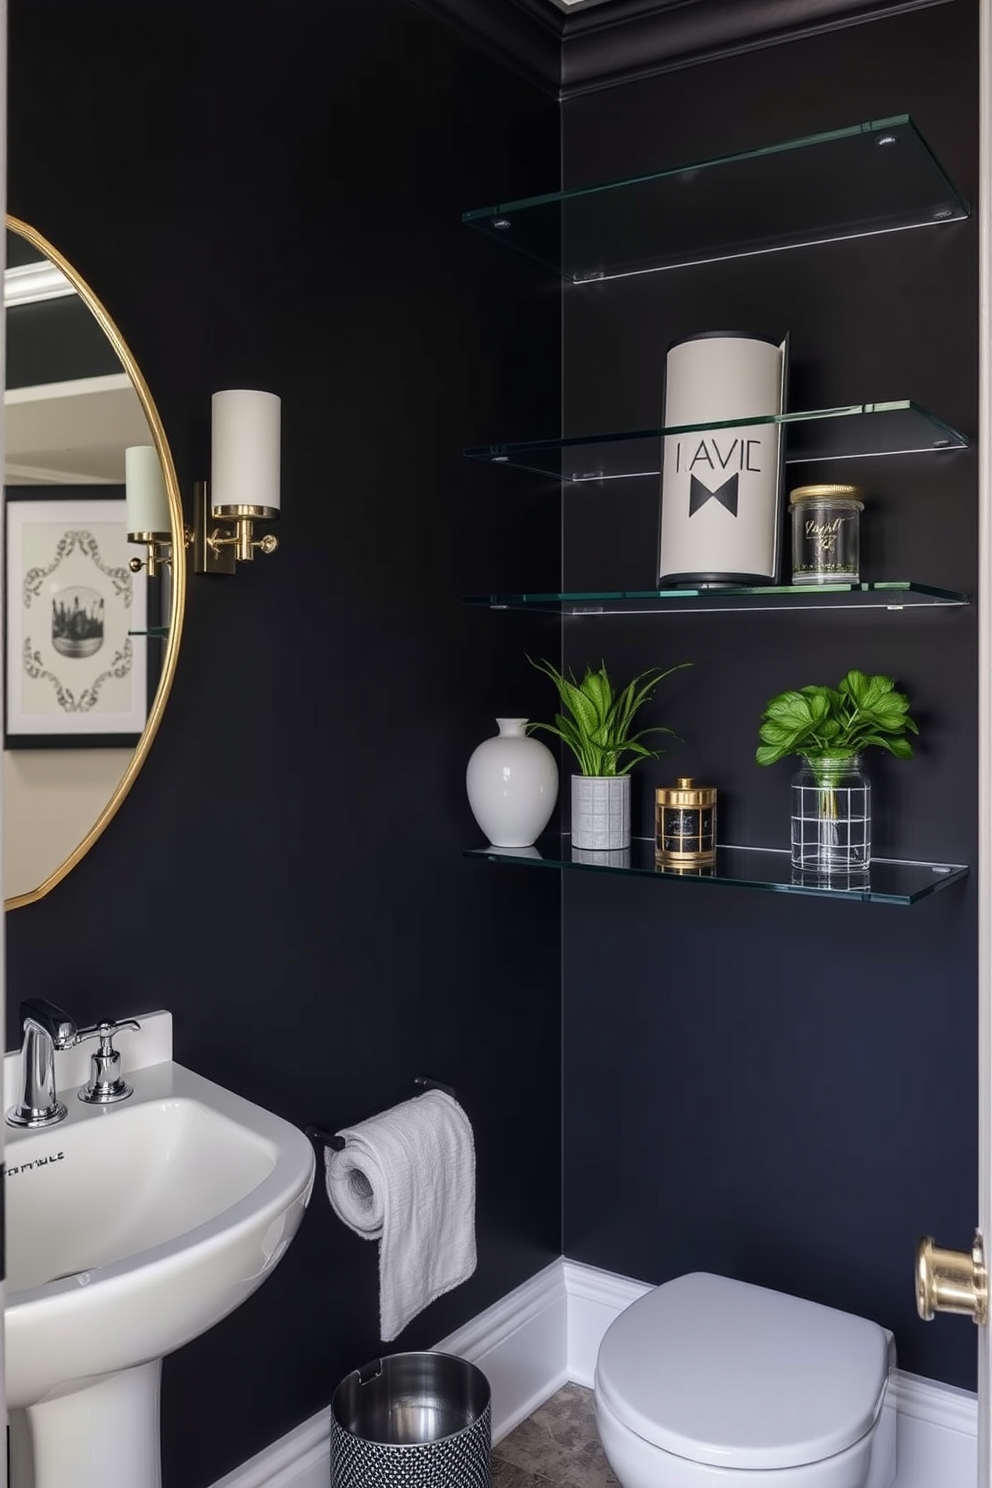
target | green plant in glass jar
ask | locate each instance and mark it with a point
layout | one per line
(829, 728)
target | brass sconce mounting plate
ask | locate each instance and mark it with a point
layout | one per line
(206, 557)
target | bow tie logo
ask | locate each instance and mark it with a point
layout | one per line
(725, 494)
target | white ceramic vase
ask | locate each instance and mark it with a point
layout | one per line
(512, 784)
(601, 812)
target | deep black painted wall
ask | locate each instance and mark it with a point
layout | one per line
(784, 1089)
(276, 204)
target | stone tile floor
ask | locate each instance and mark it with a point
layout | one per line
(556, 1447)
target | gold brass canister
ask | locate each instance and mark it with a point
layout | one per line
(685, 824)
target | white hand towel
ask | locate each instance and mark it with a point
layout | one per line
(407, 1179)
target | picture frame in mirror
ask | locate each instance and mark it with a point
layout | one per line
(80, 624)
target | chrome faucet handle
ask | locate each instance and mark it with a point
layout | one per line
(106, 1028)
(106, 1083)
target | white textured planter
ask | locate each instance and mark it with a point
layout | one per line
(601, 812)
(512, 785)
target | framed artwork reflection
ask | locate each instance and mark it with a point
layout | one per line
(76, 670)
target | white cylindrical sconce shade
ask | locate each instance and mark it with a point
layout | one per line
(245, 450)
(147, 501)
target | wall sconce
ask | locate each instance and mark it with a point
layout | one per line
(244, 481)
(147, 508)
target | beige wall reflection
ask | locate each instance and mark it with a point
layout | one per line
(49, 809)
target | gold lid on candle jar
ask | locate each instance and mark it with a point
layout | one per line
(685, 792)
(827, 492)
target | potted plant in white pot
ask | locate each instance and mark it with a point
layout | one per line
(598, 724)
(829, 728)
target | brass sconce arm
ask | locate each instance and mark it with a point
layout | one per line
(243, 519)
(226, 537)
(158, 546)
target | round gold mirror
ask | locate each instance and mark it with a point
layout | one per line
(91, 641)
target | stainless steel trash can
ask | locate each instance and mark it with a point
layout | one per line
(412, 1421)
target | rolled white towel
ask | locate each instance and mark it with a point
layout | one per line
(407, 1179)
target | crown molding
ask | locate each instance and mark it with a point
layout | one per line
(566, 54)
(28, 283)
(629, 39)
(523, 35)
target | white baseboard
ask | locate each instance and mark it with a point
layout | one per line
(300, 1459)
(521, 1345)
(547, 1332)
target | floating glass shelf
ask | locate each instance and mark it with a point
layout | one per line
(868, 178)
(888, 880)
(897, 595)
(847, 433)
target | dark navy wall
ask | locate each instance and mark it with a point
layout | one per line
(777, 1088)
(276, 204)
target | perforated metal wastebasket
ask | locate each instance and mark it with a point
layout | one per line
(412, 1421)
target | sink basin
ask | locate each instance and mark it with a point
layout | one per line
(130, 1230)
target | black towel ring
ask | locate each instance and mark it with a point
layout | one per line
(324, 1138)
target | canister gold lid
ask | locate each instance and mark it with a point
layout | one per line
(843, 493)
(685, 792)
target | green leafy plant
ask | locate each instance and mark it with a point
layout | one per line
(597, 722)
(837, 723)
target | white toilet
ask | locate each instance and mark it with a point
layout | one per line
(706, 1382)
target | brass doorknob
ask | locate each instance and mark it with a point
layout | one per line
(951, 1280)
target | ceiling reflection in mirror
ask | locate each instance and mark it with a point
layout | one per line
(91, 647)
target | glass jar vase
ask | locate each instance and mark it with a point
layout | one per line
(831, 815)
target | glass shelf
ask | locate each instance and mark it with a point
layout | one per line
(896, 595)
(850, 432)
(888, 881)
(868, 178)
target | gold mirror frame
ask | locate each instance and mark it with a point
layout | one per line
(177, 604)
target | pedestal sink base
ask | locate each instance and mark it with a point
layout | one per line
(105, 1433)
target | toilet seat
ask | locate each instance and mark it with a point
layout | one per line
(737, 1376)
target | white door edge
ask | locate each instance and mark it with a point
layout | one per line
(984, 712)
(3, 362)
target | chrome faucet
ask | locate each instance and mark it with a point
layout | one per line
(47, 1030)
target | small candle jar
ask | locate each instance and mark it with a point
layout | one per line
(685, 823)
(826, 534)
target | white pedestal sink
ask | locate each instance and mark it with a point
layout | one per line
(131, 1229)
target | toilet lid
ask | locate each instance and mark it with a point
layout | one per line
(738, 1376)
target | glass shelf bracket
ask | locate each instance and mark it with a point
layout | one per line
(875, 177)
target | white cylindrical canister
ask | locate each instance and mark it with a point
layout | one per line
(721, 487)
